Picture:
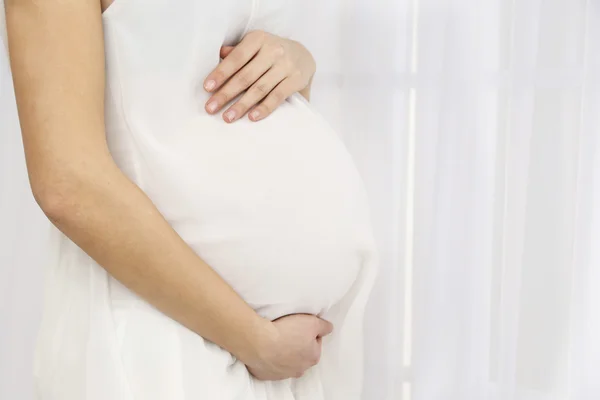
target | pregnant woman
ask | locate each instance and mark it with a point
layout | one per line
(204, 249)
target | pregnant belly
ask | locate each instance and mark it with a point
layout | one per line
(276, 208)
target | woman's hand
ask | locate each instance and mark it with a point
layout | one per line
(290, 346)
(268, 68)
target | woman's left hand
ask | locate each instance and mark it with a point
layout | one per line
(266, 67)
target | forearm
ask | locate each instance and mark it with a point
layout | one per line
(114, 222)
(57, 60)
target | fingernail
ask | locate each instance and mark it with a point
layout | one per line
(212, 106)
(254, 115)
(210, 85)
(230, 115)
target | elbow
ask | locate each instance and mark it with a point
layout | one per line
(64, 193)
(56, 201)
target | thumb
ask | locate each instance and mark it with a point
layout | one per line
(225, 51)
(325, 328)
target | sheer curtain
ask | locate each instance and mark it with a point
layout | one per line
(476, 126)
(23, 230)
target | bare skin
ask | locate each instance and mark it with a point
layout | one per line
(57, 58)
(266, 68)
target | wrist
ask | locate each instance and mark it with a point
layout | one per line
(260, 337)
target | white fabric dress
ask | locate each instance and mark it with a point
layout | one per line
(277, 208)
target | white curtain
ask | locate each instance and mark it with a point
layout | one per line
(476, 126)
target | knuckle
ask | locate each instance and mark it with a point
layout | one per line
(266, 108)
(223, 97)
(240, 107)
(261, 89)
(236, 58)
(278, 96)
(244, 80)
(278, 50)
(287, 64)
(219, 75)
(296, 74)
(263, 110)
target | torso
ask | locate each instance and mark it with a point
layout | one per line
(276, 207)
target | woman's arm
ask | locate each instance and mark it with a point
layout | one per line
(57, 60)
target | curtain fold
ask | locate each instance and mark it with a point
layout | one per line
(23, 234)
(494, 118)
(584, 307)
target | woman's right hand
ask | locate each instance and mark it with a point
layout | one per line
(290, 345)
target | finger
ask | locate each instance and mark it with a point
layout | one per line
(325, 328)
(316, 354)
(261, 88)
(237, 58)
(225, 51)
(241, 81)
(277, 96)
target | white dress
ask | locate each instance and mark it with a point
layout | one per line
(277, 208)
